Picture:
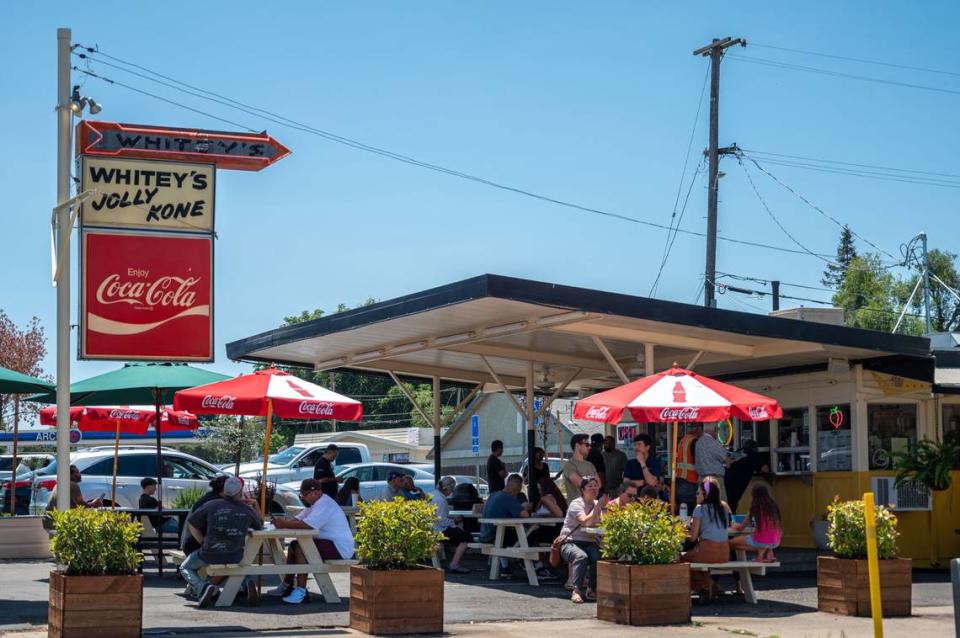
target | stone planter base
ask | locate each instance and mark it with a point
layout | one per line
(95, 606)
(643, 594)
(396, 602)
(843, 586)
(23, 537)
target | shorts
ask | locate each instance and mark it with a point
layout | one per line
(755, 545)
(456, 535)
(326, 548)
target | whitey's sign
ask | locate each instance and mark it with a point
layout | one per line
(147, 194)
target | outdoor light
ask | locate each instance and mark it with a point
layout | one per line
(78, 102)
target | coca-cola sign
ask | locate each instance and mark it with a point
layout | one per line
(687, 413)
(225, 402)
(597, 413)
(146, 296)
(322, 408)
(758, 413)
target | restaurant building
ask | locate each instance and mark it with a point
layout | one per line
(851, 397)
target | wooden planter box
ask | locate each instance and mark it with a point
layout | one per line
(843, 586)
(95, 606)
(643, 594)
(23, 537)
(396, 602)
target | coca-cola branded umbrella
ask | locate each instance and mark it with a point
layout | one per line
(131, 419)
(265, 393)
(674, 396)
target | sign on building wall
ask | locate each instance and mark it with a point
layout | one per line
(146, 296)
(145, 194)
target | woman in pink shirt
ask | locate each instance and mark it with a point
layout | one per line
(767, 526)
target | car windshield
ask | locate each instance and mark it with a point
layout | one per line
(285, 457)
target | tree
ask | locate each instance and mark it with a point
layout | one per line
(872, 297)
(222, 439)
(834, 273)
(21, 350)
(944, 306)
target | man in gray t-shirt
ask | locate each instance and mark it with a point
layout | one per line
(226, 522)
(711, 458)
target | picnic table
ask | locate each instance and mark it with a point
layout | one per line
(746, 568)
(522, 550)
(350, 511)
(148, 539)
(271, 540)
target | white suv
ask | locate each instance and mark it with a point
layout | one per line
(296, 462)
(180, 471)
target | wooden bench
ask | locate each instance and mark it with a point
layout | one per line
(746, 569)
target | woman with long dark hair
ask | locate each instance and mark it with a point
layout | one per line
(767, 528)
(709, 529)
(350, 487)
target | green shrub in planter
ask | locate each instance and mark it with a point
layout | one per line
(643, 533)
(92, 542)
(185, 499)
(396, 534)
(847, 533)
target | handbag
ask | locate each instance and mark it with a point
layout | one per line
(555, 546)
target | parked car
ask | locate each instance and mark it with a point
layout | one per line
(296, 462)
(373, 477)
(180, 471)
(26, 463)
(553, 462)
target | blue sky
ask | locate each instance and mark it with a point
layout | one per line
(588, 102)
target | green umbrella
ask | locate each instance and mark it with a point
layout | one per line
(138, 383)
(13, 382)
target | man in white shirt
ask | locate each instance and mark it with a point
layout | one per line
(332, 536)
(452, 533)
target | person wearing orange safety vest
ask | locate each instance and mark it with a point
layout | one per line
(687, 477)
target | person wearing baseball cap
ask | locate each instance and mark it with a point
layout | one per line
(394, 487)
(332, 537)
(221, 528)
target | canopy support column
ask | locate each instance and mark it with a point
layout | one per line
(436, 429)
(533, 493)
(602, 347)
(648, 363)
(695, 359)
(409, 395)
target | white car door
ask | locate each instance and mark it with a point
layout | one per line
(131, 469)
(303, 467)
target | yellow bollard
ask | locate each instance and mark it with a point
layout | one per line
(873, 565)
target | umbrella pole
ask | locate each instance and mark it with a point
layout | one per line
(156, 428)
(266, 458)
(116, 458)
(239, 448)
(673, 472)
(16, 440)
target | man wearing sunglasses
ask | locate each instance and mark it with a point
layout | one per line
(332, 536)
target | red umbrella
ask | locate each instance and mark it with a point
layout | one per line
(677, 395)
(265, 393)
(121, 418)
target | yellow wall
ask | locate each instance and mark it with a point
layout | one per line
(803, 499)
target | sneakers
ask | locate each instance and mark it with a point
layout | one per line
(280, 590)
(297, 596)
(457, 569)
(208, 595)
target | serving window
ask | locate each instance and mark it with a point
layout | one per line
(792, 453)
(834, 438)
(891, 428)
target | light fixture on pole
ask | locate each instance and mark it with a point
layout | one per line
(78, 102)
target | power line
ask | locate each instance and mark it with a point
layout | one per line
(668, 244)
(454, 173)
(861, 60)
(886, 177)
(671, 240)
(815, 207)
(851, 76)
(774, 217)
(829, 161)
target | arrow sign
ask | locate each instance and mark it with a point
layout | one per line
(238, 151)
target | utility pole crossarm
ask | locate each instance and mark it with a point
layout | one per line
(715, 51)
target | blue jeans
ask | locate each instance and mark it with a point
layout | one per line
(189, 569)
(583, 557)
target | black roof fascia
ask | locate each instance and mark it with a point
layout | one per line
(919, 368)
(573, 298)
(947, 358)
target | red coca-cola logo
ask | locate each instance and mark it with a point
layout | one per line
(680, 414)
(165, 291)
(316, 409)
(758, 412)
(598, 413)
(124, 415)
(225, 402)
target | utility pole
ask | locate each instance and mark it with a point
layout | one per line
(715, 50)
(63, 260)
(775, 289)
(926, 283)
